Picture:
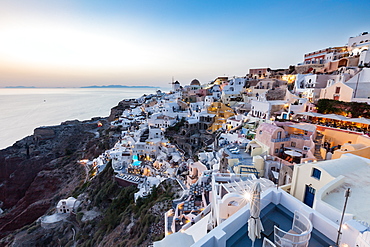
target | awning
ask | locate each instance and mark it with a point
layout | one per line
(310, 114)
(335, 117)
(293, 153)
(302, 126)
(359, 120)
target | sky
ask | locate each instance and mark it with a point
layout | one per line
(73, 43)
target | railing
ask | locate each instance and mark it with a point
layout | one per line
(267, 243)
(281, 139)
(300, 137)
(298, 236)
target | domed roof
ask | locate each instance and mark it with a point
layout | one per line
(195, 82)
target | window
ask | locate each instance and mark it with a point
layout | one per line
(316, 173)
(260, 132)
(278, 135)
(337, 89)
(292, 144)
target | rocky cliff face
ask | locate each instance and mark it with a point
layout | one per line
(116, 111)
(40, 169)
(107, 216)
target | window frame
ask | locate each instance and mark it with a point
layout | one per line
(316, 173)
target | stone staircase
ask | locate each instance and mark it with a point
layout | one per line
(318, 143)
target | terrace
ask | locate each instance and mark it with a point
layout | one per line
(281, 225)
(279, 222)
(353, 125)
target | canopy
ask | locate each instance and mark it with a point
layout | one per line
(310, 114)
(303, 126)
(359, 120)
(334, 117)
(293, 153)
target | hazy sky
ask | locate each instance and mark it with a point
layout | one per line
(134, 42)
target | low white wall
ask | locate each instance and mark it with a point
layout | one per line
(219, 235)
(321, 206)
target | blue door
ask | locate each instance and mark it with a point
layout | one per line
(309, 196)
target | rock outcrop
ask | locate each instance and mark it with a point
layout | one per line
(39, 170)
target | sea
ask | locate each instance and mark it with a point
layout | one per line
(24, 109)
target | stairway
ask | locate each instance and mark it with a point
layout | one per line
(318, 142)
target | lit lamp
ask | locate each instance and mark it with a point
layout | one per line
(247, 196)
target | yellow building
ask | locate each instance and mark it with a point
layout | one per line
(221, 112)
(349, 143)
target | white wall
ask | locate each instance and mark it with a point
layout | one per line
(219, 235)
(363, 85)
(364, 57)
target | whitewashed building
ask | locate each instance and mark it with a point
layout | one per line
(66, 205)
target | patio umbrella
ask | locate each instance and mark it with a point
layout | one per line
(359, 120)
(293, 153)
(254, 222)
(335, 117)
(310, 114)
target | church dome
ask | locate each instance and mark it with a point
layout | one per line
(195, 82)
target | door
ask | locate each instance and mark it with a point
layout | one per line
(309, 196)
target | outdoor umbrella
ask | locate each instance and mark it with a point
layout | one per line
(359, 120)
(335, 117)
(293, 153)
(254, 222)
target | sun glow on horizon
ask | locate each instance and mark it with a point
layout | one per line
(59, 46)
(69, 43)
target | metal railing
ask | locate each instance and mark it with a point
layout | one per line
(300, 137)
(281, 139)
(298, 236)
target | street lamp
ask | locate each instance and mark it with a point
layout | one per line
(347, 194)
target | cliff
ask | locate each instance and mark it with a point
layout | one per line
(122, 105)
(40, 169)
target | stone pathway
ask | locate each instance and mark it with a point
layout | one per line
(318, 143)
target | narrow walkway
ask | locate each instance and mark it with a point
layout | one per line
(318, 143)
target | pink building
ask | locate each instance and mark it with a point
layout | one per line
(282, 141)
(259, 73)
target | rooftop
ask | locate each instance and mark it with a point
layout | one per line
(272, 215)
(356, 172)
(277, 209)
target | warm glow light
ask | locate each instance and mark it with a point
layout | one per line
(58, 45)
(247, 196)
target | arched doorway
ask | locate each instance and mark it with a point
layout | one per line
(343, 62)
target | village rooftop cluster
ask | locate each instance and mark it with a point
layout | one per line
(217, 139)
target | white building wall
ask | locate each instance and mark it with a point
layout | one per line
(355, 44)
(260, 109)
(360, 83)
(364, 57)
